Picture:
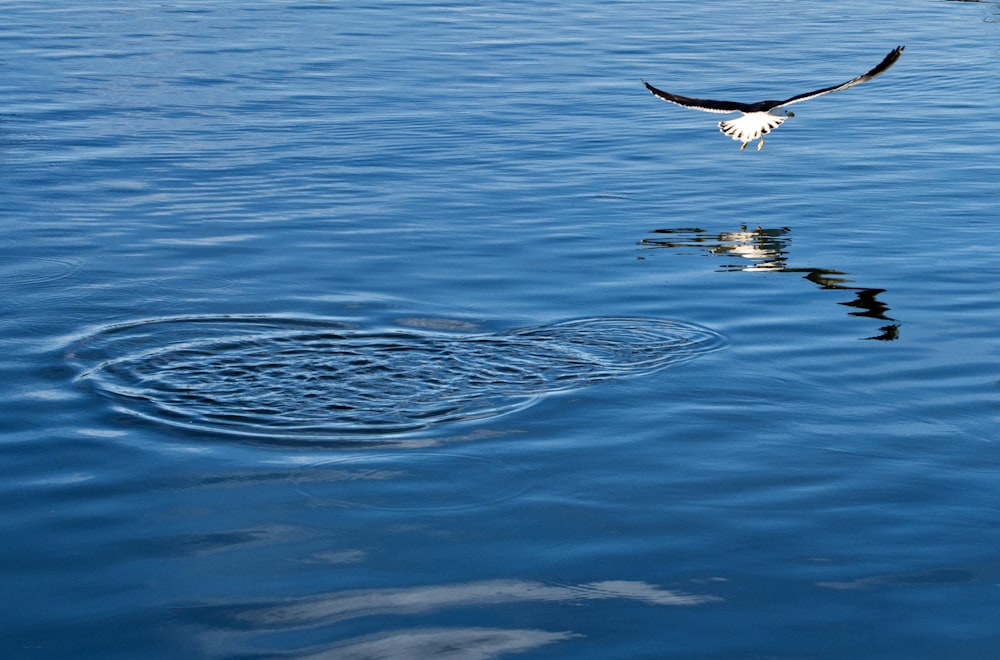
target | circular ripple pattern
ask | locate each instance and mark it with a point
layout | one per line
(299, 379)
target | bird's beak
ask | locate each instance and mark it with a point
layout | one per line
(791, 114)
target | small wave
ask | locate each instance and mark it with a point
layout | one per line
(293, 379)
(20, 271)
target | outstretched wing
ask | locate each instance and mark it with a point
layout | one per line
(704, 105)
(883, 66)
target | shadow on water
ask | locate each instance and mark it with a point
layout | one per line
(766, 250)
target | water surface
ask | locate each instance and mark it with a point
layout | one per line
(422, 330)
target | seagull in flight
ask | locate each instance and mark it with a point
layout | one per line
(757, 120)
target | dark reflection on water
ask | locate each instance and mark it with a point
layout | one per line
(766, 250)
(375, 481)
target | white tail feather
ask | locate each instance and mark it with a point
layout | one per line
(751, 126)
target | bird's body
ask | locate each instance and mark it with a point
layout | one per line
(759, 119)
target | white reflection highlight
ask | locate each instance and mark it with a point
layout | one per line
(441, 644)
(373, 602)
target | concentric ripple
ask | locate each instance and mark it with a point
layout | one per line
(302, 379)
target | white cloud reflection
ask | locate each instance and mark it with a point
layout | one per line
(412, 600)
(245, 628)
(441, 644)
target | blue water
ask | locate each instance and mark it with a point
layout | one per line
(406, 329)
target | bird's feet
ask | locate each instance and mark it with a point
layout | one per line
(744, 146)
(760, 145)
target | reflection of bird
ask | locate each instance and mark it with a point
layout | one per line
(764, 247)
(757, 119)
(766, 250)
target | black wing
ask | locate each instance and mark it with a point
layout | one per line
(889, 60)
(698, 104)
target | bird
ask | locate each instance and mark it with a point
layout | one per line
(757, 119)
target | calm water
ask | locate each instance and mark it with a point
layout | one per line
(407, 329)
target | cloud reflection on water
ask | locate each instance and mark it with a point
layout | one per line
(441, 643)
(371, 602)
(259, 619)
